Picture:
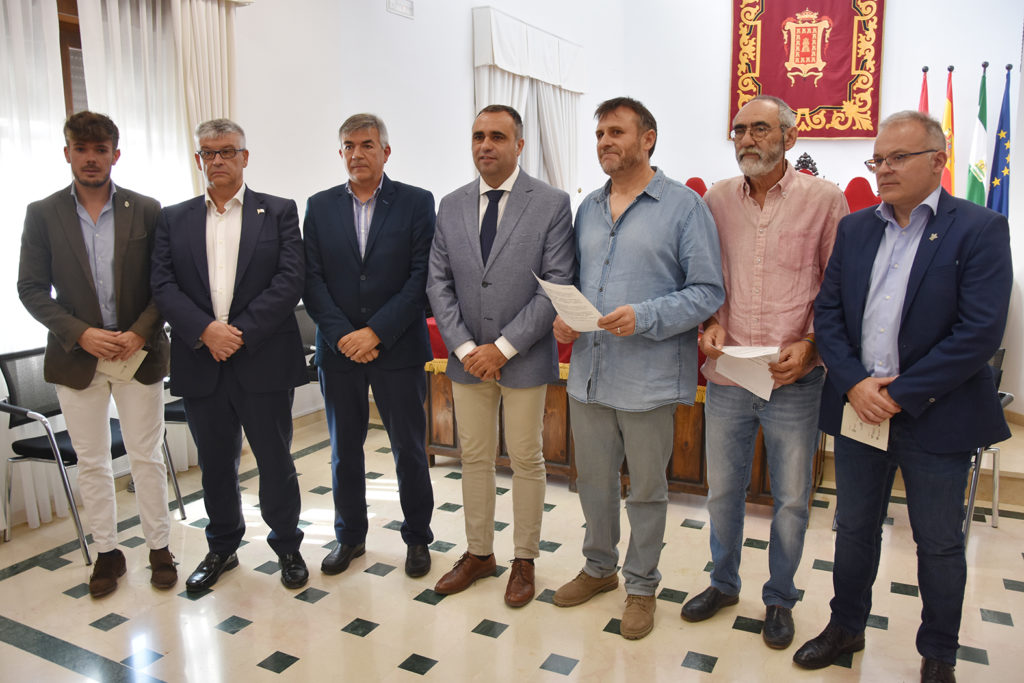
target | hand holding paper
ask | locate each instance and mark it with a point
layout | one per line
(748, 367)
(572, 306)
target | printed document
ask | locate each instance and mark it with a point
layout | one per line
(748, 367)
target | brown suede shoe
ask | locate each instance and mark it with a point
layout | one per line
(638, 617)
(582, 588)
(520, 588)
(161, 564)
(468, 569)
(108, 568)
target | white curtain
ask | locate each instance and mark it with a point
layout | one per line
(206, 35)
(541, 76)
(132, 74)
(32, 164)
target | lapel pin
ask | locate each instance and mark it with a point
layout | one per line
(934, 236)
(259, 210)
(126, 203)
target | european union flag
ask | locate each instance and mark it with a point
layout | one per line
(999, 180)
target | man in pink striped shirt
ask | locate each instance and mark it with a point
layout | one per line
(776, 227)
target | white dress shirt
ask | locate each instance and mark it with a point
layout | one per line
(223, 233)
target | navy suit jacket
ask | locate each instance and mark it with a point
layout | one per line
(953, 320)
(384, 289)
(268, 285)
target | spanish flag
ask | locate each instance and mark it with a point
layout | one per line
(947, 128)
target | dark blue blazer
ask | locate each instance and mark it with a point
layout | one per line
(268, 285)
(953, 320)
(383, 289)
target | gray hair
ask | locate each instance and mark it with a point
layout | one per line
(217, 128)
(936, 137)
(360, 121)
(787, 117)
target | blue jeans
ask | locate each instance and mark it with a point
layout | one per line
(935, 485)
(790, 424)
(605, 437)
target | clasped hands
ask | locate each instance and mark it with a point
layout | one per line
(222, 339)
(360, 346)
(485, 362)
(109, 344)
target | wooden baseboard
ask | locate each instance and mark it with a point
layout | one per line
(1015, 418)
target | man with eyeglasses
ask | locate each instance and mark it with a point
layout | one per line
(228, 271)
(776, 227)
(367, 249)
(912, 307)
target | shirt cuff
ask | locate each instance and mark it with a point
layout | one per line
(462, 349)
(505, 347)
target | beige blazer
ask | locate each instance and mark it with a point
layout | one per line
(53, 254)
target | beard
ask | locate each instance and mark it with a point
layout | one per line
(765, 162)
(629, 159)
(85, 181)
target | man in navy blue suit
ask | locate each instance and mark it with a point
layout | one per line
(912, 307)
(367, 248)
(228, 270)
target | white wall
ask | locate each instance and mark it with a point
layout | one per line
(305, 66)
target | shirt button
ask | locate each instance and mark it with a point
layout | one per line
(600, 289)
(881, 329)
(887, 297)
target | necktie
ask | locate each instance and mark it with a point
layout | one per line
(489, 225)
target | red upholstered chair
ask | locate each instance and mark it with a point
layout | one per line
(697, 185)
(859, 194)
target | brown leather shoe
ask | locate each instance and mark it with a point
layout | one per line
(468, 569)
(638, 617)
(582, 588)
(108, 568)
(161, 564)
(520, 588)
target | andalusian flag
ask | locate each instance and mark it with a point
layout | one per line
(947, 129)
(999, 181)
(978, 166)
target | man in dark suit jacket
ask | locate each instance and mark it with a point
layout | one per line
(913, 305)
(228, 271)
(367, 246)
(91, 243)
(492, 235)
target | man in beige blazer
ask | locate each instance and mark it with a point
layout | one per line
(91, 243)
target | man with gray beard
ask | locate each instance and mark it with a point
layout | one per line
(776, 227)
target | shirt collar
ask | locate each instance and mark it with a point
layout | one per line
(110, 199)
(376, 192)
(655, 186)
(506, 186)
(227, 205)
(884, 210)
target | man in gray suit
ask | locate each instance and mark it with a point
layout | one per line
(91, 243)
(491, 236)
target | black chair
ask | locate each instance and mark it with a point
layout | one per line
(31, 399)
(307, 330)
(1005, 398)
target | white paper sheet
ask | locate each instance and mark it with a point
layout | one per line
(122, 369)
(858, 430)
(576, 311)
(748, 367)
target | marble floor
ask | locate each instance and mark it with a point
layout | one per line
(374, 623)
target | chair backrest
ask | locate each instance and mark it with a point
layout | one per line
(697, 185)
(859, 194)
(23, 372)
(996, 363)
(307, 328)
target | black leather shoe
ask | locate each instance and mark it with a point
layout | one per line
(338, 559)
(417, 560)
(934, 671)
(778, 627)
(293, 570)
(707, 604)
(832, 643)
(209, 570)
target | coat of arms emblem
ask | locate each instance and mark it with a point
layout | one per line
(806, 37)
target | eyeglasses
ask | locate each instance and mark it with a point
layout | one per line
(225, 154)
(895, 161)
(758, 131)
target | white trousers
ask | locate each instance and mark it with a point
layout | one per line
(140, 408)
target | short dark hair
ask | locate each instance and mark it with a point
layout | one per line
(88, 126)
(499, 108)
(643, 114)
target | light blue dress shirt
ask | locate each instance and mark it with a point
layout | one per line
(362, 213)
(888, 288)
(662, 257)
(99, 243)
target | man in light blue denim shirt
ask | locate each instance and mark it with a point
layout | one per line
(649, 260)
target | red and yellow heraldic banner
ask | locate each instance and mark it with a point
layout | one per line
(823, 57)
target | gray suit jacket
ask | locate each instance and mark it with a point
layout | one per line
(477, 301)
(53, 254)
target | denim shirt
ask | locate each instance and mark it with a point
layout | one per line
(662, 257)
